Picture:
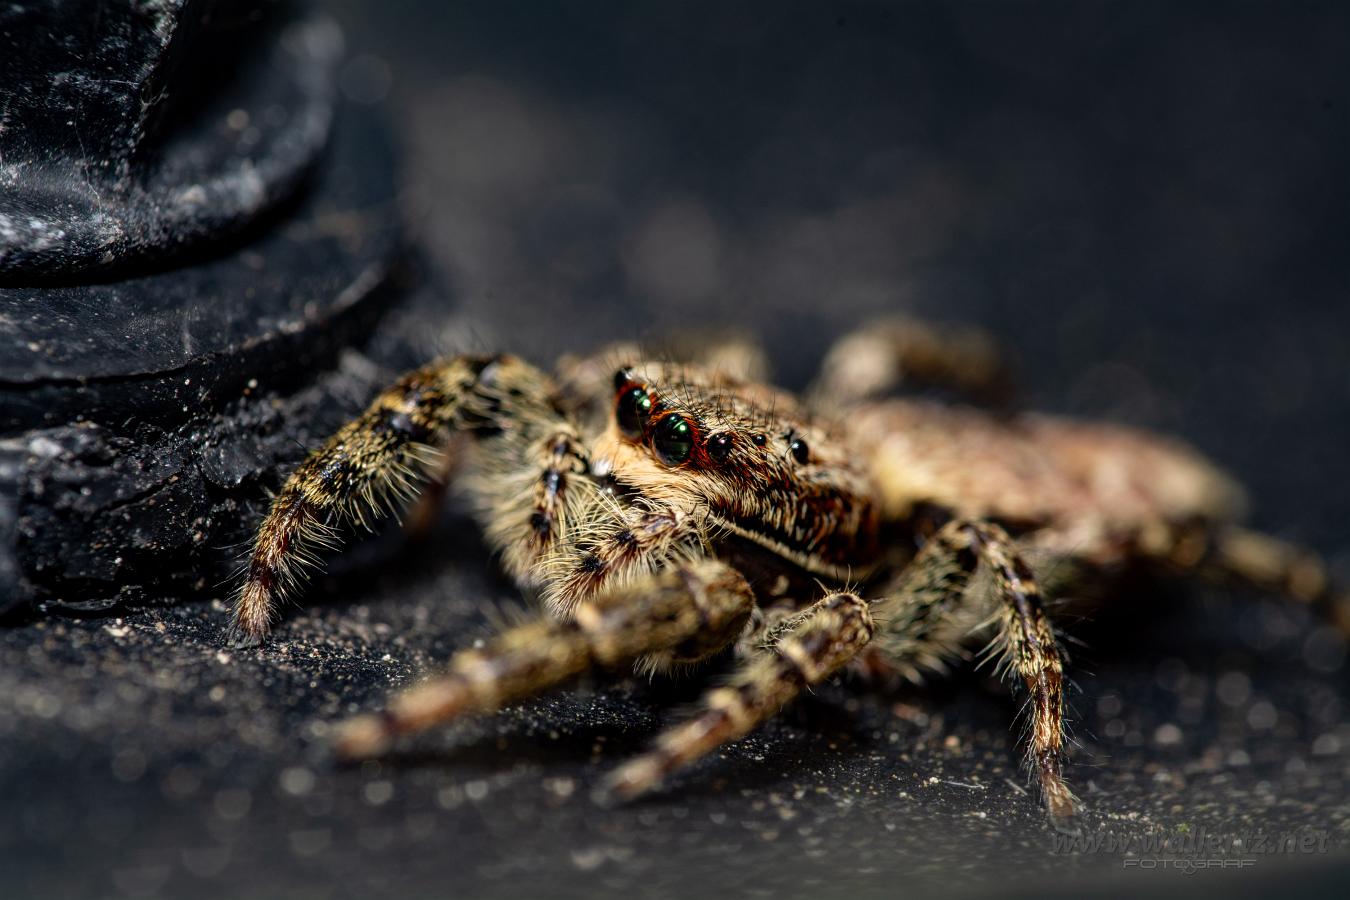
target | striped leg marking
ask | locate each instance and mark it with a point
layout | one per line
(680, 614)
(928, 613)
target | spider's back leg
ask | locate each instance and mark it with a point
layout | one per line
(897, 352)
(376, 461)
(1278, 567)
(928, 611)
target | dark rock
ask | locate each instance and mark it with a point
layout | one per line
(146, 398)
(126, 140)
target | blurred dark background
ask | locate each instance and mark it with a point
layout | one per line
(1148, 203)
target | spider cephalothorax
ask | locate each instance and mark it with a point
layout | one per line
(668, 511)
(746, 460)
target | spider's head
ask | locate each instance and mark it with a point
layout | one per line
(745, 456)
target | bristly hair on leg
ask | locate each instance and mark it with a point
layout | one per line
(375, 464)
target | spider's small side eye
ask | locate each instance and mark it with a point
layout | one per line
(674, 440)
(800, 452)
(719, 446)
(759, 440)
(635, 404)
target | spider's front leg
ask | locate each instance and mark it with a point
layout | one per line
(375, 461)
(681, 614)
(801, 652)
(927, 612)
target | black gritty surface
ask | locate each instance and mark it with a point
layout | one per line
(1146, 204)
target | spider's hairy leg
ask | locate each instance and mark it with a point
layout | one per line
(921, 623)
(1279, 567)
(930, 609)
(803, 651)
(892, 352)
(681, 614)
(375, 460)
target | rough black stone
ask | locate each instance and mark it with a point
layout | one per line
(138, 415)
(181, 247)
(137, 132)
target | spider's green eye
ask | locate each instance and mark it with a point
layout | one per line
(634, 406)
(674, 440)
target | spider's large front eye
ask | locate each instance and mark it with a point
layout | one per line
(635, 405)
(674, 439)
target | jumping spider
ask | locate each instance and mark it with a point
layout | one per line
(676, 510)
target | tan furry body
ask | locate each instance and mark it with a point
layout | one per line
(674, 510)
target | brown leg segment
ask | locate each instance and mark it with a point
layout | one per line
(681, 614)
(920, 620)
(809, 648)
(1273, 565)
(891, 353)
(928, 599)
